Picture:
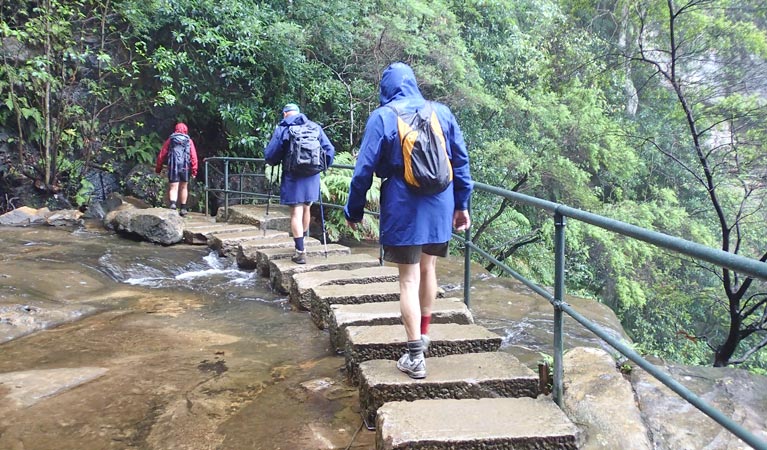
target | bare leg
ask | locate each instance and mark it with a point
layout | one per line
(410, 309)
(183, 192)
(306, 218)
(427, 290)
(173, 192)
(297, 220)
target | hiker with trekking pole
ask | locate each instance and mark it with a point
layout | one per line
(304, 151)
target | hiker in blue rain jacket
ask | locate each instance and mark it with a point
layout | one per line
(415, 228)
(296, 191)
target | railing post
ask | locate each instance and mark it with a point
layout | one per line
(226, 189)
(206, 190)
(559, 295)
(467, 264)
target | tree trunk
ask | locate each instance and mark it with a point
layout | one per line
(725, 351)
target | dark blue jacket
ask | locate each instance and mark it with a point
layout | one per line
(295, 189)
(407, 218)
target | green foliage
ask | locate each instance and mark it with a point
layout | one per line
(335, 190)
(142, 150)
(554, 98)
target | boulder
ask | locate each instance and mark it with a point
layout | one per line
(25, 216)
(65, 218)
(158, 225)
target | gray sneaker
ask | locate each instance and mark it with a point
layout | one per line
(414, 368)
(299, 257)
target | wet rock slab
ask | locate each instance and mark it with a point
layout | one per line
(468, 376)
(366, 343)
(322, 297)
(313, 247)
(26, 388)
(483, 424)
(300, 290)
(444, 310)
(281, 271)
(227, 243)
(17, 320)
(199, 233)
(256, 215)
(247, 251)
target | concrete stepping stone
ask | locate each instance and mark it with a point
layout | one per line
(248, 251)
(365, 343)
(281, 271)
(312, 246)
(471, 375)
(322, 297)
(444, 310)
(200, 233)
(300, 291)
(489, 423)
(227, 243)
(277, 219)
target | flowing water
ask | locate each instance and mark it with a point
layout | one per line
(131, 345)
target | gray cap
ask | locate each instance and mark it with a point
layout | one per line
(291, 107)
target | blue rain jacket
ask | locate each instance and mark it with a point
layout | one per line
(407, 218)
(296, 189)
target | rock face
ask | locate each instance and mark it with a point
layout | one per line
(600, 401)
(158, 225)
(676, 424)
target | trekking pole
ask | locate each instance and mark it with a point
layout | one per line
(269, 192)
(322, 216)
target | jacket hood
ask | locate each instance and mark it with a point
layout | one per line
(398, 82)
(181, 128)
(295, 119)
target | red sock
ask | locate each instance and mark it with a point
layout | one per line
(425, 321)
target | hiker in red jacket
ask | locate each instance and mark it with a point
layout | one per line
(180, 155)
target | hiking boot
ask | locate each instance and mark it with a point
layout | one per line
(414, 368)
(182, 212)
(172, 206)
(425, 341)
(299, 257)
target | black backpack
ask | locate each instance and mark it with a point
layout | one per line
(305, 156)
(428, 169)
(178, 151)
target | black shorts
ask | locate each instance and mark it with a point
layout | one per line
(411, 254)
(176, 176)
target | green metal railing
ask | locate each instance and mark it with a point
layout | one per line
(748, 266)
(740, 264)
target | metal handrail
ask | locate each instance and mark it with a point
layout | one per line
(752, 267)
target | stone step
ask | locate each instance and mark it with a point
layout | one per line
(471, 375)
(281, 271)
(277, 219)
(200, 233)
(364, 343)
(352, 294)
(313, 251)
(227, 243)
(489, 423)
(300, 292)
(444, 310)
(247, 252)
